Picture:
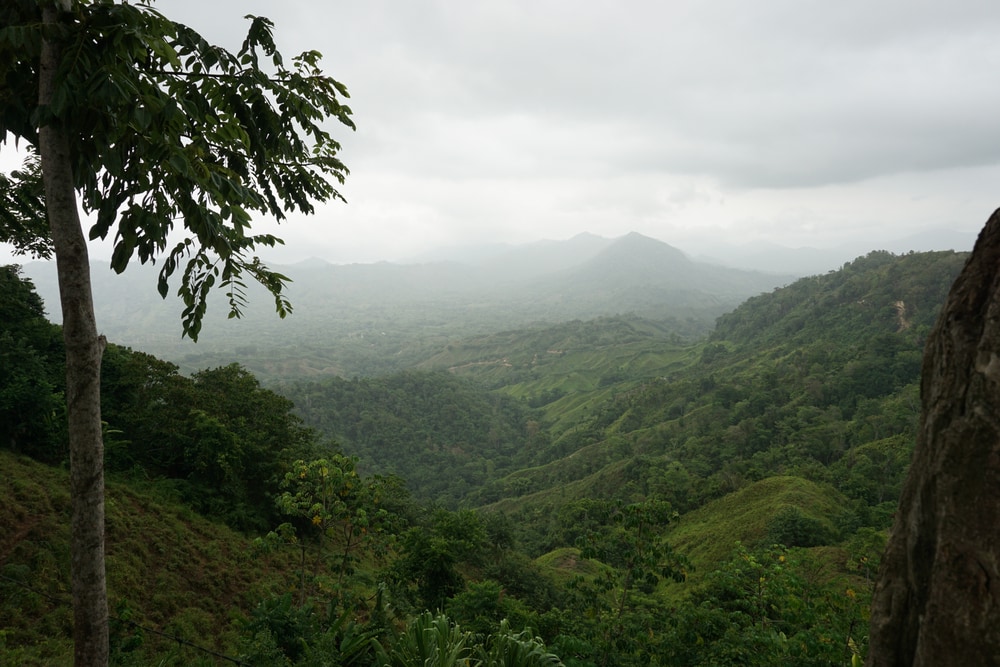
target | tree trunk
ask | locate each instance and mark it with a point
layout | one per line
(937, 599)
(83, 378)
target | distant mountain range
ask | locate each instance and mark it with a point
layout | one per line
(762, 256)
(371, 318)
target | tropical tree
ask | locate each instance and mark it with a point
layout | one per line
(22, 211)
(338, 513)
(432, 553)
(435, 641)
(153, 129)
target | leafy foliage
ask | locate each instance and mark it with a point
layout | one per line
(224, 440)
(31, 383)
(340, 515)
(22, 211)
(279, 633)
(760, 609)
(166, 127)
(630, 543)
(428, 640)
(427, 572)
(433, 640)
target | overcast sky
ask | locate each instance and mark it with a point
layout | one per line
(805, 123)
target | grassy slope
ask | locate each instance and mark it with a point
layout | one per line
(708, 534)
(176, 571)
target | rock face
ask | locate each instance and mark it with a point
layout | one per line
(937, 599)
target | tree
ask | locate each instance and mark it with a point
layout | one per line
(339, 514)
(22, 211)
(765, 607)
(153, 127)
(631, 544)
(30, 391)
(433, 639)
(937, 600)
(433, 552)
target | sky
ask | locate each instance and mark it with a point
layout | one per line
(696, 122)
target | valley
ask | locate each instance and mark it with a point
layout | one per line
(608, 455)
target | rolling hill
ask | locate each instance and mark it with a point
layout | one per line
(800, 381)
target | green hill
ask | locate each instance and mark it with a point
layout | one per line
(818, 380)
(417, 424)
(756, 515)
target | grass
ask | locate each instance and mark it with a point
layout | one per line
(171, 569)
(708, 534)
(565, 564)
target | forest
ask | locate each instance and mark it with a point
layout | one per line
(592, 492)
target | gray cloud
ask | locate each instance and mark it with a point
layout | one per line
(520, 119)
(770, 94)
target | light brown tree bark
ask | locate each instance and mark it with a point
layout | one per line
(937, 599)
(83, 377)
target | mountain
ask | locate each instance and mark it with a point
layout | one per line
(637, 261)
(533, 260)
(507, 263)
(642, 276)
(818, 374)
(366, 319)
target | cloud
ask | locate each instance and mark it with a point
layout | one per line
(513, 120)
(771, 94)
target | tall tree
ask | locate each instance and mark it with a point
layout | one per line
(937, 598)
(153, 128)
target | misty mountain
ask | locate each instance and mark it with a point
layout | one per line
(641, 275)
(367, 318)
(532, 260)
(523, 261)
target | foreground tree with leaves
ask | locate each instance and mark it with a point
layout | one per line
(153, 129)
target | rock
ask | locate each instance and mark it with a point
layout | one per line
(937, 598)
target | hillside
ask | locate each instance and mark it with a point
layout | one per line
(615, 487)
(419, 424)
(798, 379)
(169, 569)
(817, 380)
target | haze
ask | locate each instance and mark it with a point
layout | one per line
(700, 124)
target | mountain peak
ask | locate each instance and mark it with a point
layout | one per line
(639, 248)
